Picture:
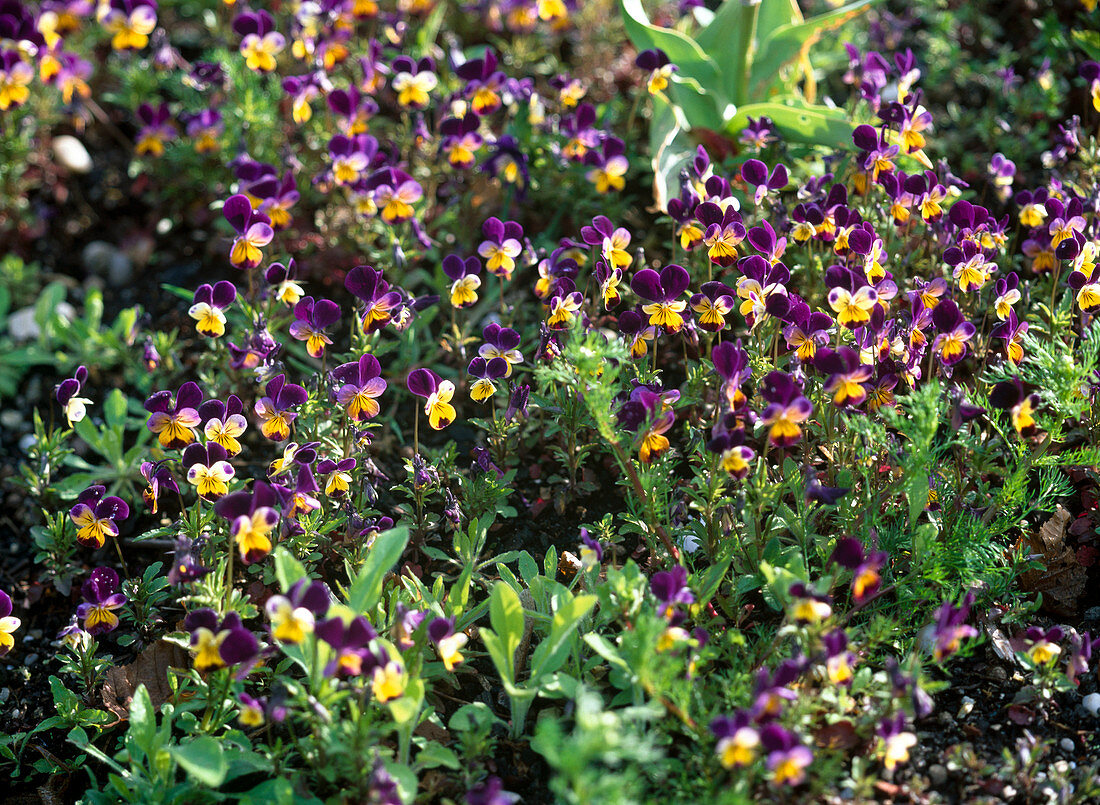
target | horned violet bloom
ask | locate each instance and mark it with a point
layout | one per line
(260, 42)
(130, 22)
(662, 292)
(501, 246)
(485, 372)
(219, 645)
(738, 740)
(156, 129)
(501, 342)
(437, 394)
(208, 470)
(660, 70)
(101, 599)
(158, 477)
(366, 283)
(311, 320)
(8, 624)
(413, 81)
(65, 392)
(351, 641)
(896, 741)
(1009, 395)
(209, 303)
(787, 409)
(951, 627)
(955, 333)
(225, 423)
(96, 516)
(273, 408)
(360, 384)
(337, 475)
(253, 231)
(787, 758)
(252, 518)
(447, 641)
(465, 279)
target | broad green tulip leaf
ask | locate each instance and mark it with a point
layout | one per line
(682, 50)
(802, 123)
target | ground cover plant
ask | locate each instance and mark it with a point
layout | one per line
(419, 402)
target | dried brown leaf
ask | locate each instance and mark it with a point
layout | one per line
(151, 669)
(1062, 578)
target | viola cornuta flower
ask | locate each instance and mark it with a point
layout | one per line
(337, 475)
(787, 409)
(130, 22)
(96, 516)
(217, 644)
(460, 140)
(208, 470)
(157, 129)
(951, 627)
(101, 599)
(1009, 395)
(955, 333)
(485, 372)
(209, 303)
(662, 290)
(501, 246)
(448, 642)
(158, 478)
(351, 640)
(413, 81)
(252, 518)
(609, 166)
(366, 283)
(8, 624)
(65, 392)
(755, 173)
(437, 394)
(253, 231)
(787, 757)
(465, 279)
(896, 740)
(260, 42)
(311, 322)
(273, 408)
(738, 741)
(846, 375)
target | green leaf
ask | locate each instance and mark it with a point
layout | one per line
(528, 567)
(690, 59)
(553, 651)
(143, 722)
(1088, 41)
(502, 660)
(434, 755)
(786, 43)
(506, 615)
(114, 409)
(287, 568)
(799, 122)
(366, 590)
(203, 759)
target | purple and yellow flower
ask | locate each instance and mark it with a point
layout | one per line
(755, 173)
(734, 456)
(609, 166)
(219, 645)
(350, 157)
(485, 373)
(731, 362)
(853, 309)
(158, 478)
(896, 741)
(65, 392)
(565, 302)
(96, 516)
(311, 321)
(501, 342)
(15, 78)
(394, 192)
(807, 331)
(846, 375)
(225, 422)
(209, 303)
(662, 290)
(437, 394)
(955, 333)
(413, 81)
(578, 129)
(366, 283)
(501, 246)
(302, 499)
(186, 567)
(738, 741)
(273, 408)
(156, 129)
(253, 231)
(838, 660)
(656, 62)
(787, 758)
(174, 421)
(289, 623)
(866, 580)
(360, 384)
(350, 640)
(283, 281)
(302, 89)
(671, 590)
(612, 241)
(1009, 395)
(8, 624)
(484, 83)
(969, 265)
(722, 232)
(654, 411)
(251, 711)
(1042, 644)
(102, 596)
(448, 642)
(465, 278)
(337, 475)
(787, 409)
(205, 130)
(712, 304)
(130, 22)
(1085, 278)
(1012, 332)
(951, 627)
(260, 42)
(252, 517)
(460, 140)
(389, 681)
(636, 331)
(876, 155)
(808, 606)
(208, 470)
(758, 132)
(763, 289)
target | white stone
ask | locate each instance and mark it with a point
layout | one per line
(72, 154)
(1092, 704)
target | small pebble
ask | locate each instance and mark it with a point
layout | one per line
(1067, 744)
(72, 154)
(30, 659)
(1092, 704)
(965, 708)
(937, 775)
(5, 693)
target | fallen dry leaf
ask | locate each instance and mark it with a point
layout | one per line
(150, 669)
(1062, 578)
